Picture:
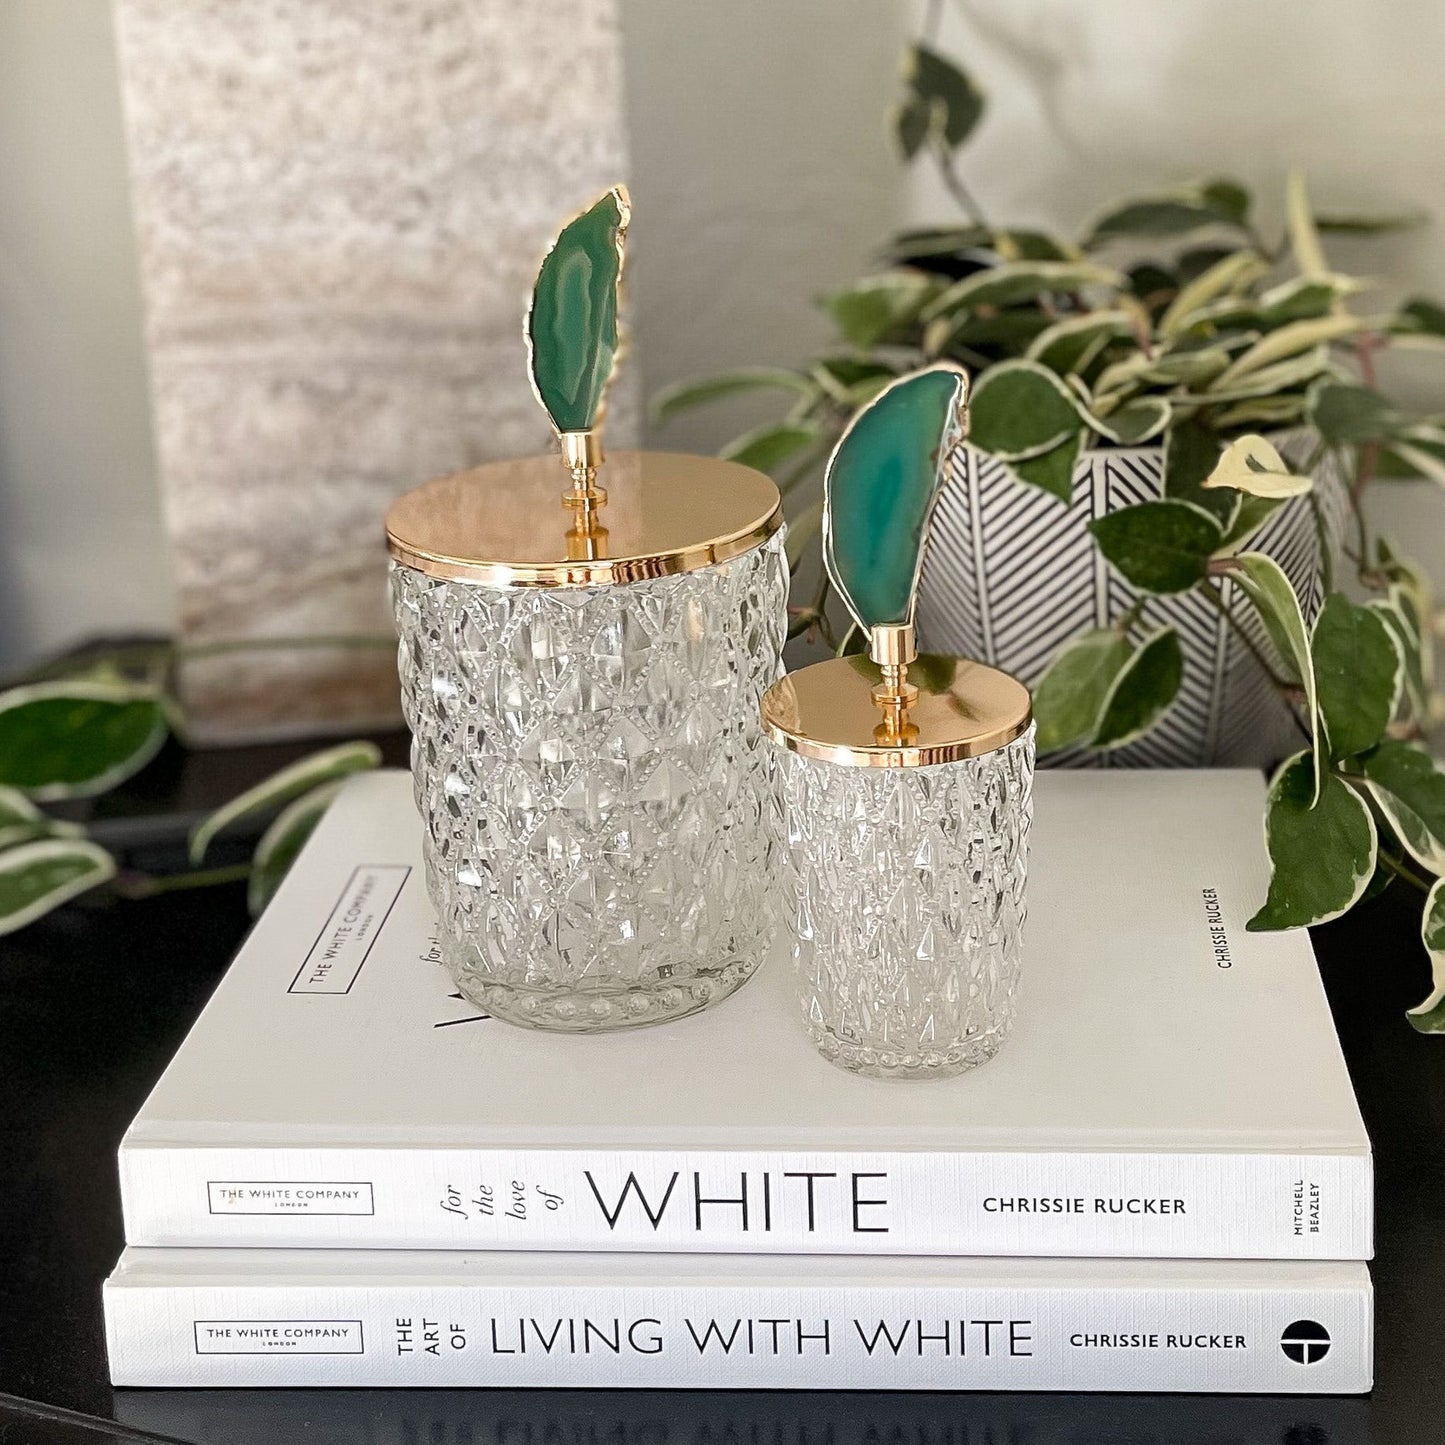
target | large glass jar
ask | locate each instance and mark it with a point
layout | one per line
(904, 861)
(585, 744)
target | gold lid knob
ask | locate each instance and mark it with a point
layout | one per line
(957, 710)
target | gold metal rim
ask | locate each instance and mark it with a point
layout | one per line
(666, 513)
(964, 710)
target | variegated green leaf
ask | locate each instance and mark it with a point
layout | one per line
(683, 396)
(1191, 452)
(1377, 225)
(1070, 696)
(38, 877)
(1172, 214)
(1136, 422)
(281, 787)
(1053, 472)
(1252, 514)
(1344, 414)
(1159, 547)
(1322, 848)
(20, 819)
(947, 93)
(1302, 298)
(1251, 464)
(769, 446)
(803, 529)
(1268, 381)
(1016, 281)
(283, 840)
(1428, 1016)
(1395, 611)
(1142, 692)
(22, 822)
(1234, 273)
(1071, 344)
(1288, 341)
(1020, 409)
(1409, 787)
(876, 308)
(1304, 239)
(1263, 581)
(76, 739)
(1270, 411)
(1359, 672)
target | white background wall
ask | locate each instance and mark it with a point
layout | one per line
(761, 177)
(80, 533)
(1090, 100)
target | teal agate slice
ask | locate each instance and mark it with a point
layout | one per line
(572, 324)
(879, 491)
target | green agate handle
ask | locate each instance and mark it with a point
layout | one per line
(879, 490)
(572, 321)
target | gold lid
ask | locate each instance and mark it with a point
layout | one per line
(512, 524)
(832, 711)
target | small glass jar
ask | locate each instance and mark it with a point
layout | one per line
(905, 857)
(582, 693)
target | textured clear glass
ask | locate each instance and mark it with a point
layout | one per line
(592, 781)
(904, 888)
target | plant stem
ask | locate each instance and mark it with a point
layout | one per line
(158, 658)
(1361, 533)
(145, 885)
(820, 609)
(814, 454)
(953, 183)
(358, 641)
(1126, 620)
(1406, 875)
(1327, 561)
(1367, 458)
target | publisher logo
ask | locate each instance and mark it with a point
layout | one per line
(272, 1196)
(279, 1337)
(346, 938)
(1306, 1342)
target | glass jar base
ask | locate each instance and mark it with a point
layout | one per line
(594, 1011)
(885, 1063)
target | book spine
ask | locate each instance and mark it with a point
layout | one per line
(1312, 1339)
(1136, 1204)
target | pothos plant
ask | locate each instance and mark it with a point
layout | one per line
(1173, 319)
(82, 733)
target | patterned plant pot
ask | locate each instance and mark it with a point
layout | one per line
(1011, 575)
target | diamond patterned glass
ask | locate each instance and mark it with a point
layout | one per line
(592, 781)
(904, 888)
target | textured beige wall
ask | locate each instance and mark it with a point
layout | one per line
(341, 204)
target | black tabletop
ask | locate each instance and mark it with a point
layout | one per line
(95, 999)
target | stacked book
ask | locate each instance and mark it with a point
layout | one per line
(349, 1176)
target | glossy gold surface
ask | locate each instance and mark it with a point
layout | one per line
(963, 710)
(505, 524)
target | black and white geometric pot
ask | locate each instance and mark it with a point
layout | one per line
(1011, 575)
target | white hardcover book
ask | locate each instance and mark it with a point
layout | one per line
(1173, 1086)
(411, 1317)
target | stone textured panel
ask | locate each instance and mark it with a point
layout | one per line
(341, 205)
